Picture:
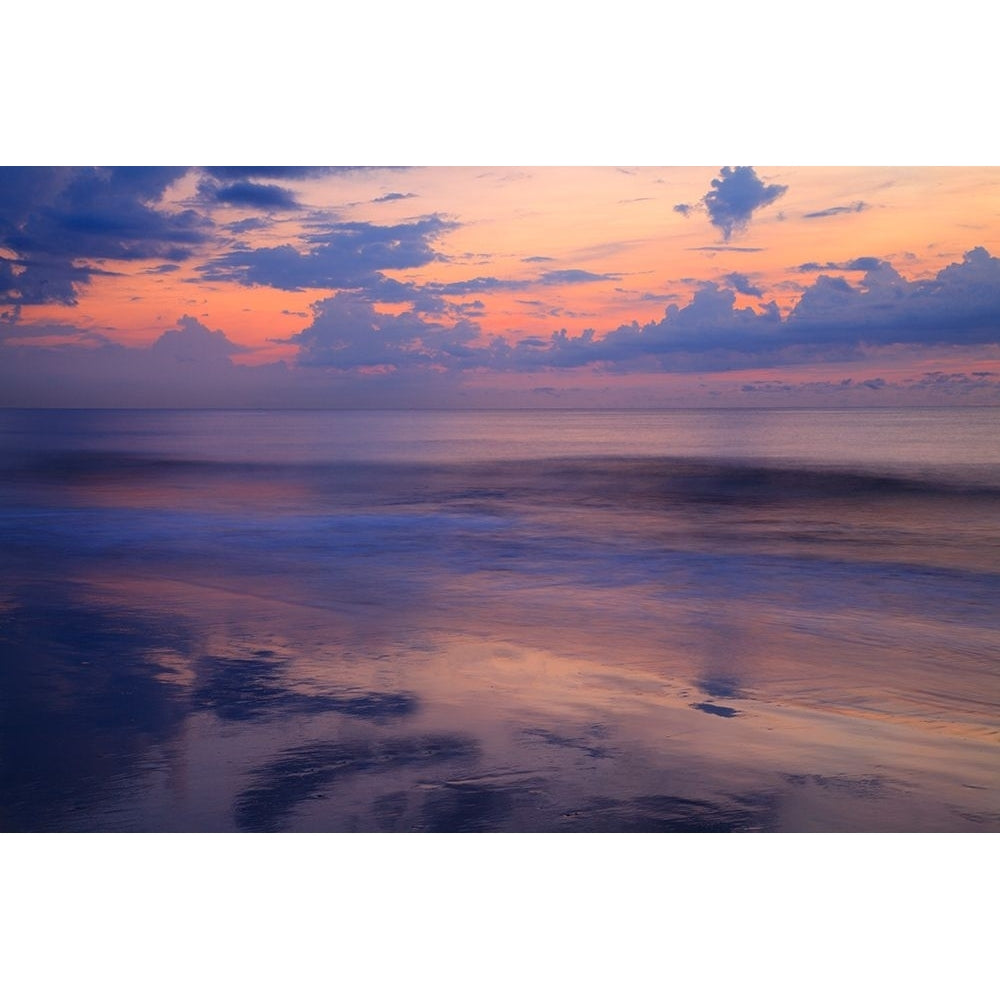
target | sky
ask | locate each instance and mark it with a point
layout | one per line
(622, 286)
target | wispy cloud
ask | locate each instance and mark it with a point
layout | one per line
(726, 249)
(858, 264)
(575, 276)
(853, 209)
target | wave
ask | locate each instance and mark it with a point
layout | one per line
(597, 476)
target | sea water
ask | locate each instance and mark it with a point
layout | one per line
(711, 620)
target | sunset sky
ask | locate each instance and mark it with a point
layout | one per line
(537, 286)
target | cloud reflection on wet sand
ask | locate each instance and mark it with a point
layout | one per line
(509, 645)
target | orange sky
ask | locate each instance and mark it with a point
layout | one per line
(547, 249)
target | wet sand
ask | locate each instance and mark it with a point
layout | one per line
(571, 644)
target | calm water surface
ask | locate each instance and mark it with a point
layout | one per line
(531, 621)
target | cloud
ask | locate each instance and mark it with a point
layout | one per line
(32, 280)
(188, 365)
(858, 206)
(574, 276)
(725, 249)
(488, 283)
(58, 224)
(353, 353)
(347, 332)
(931, 386)
(958, 306)
(858, 264)
(473, 286)
(343, 256)
(648, 296)
(684, 210)
(419, 364)
(248, 225)
(393, 196)
(734, 196)
(50, 334)
(379, 288)
(248, 194)
(960, 382)
(832, 320)
(194, 343)
(741, 283)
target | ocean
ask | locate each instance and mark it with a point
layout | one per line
(530, 621)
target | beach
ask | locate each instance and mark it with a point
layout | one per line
(650, 621)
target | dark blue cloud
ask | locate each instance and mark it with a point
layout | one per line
(248, 225)
(248, 194)
(863, 264)
(53, 221)
(958, 306)
(683, 209)
(735, 195)
(36, 279)
(741, 283)
(379, 288)
(833, 320)
(104, 213)
(347, 255)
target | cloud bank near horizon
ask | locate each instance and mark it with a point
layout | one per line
(411, 304)
(353, 351)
